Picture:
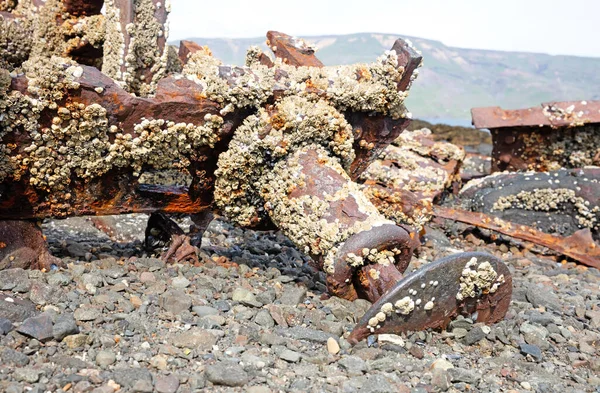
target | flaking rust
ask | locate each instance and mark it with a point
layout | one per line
(275, 143)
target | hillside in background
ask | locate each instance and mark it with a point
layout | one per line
(453, 80)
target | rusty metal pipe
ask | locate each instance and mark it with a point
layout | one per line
(312, 200)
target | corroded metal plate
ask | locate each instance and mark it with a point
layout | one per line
(429, 298)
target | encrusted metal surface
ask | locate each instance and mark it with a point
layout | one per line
(553, 114)
(470, 284)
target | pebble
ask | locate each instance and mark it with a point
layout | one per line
(65, 325)
(166, 384)
(391, 338)
(290, 356)
(226, 373)
(76, 340)
(180, 282)
(87, 314)
(332, 346)
(105, 358)
(293, 295)
(245, 297)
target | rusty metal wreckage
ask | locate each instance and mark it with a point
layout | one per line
(89, 102)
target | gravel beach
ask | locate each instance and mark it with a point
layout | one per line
(254, 316)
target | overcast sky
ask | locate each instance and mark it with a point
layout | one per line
(546, 26)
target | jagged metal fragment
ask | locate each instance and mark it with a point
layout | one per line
(579, 246)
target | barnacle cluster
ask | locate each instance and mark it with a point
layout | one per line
(419, 165)
(477, 279)
(135, 52)
(359, 87)
(562, 148)
(551, 199)
(79, 140)
(262, 140)
(15, 42)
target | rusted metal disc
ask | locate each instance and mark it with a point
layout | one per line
(471, 284)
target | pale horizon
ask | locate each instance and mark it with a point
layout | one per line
(516, 26)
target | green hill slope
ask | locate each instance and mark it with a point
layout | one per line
(453, 80)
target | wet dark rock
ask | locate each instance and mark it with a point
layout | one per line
(166, 384)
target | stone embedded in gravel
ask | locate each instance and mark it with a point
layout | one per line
(27, 374)
(543, 297)
(440, 378)
(147, 277)
(180, 282)
(15, 309)
(461, 323)
(87, 313)
(535, 335)
(142, 386)
(332, 346)
(39, 327)
(464, 375)
(290, 356)
(15, 279)
(353, 365)
(245, 297)
(293, 296)
(342, 309)
(76, 340)
(175, 301)
(226, 373)
(127, 377)
(441, 364)
(64, 325)
(11, 357)
(474, 335)
(41, 293)
(5, 326)
(533, 350)
(302, 333)
(58, 280)
(204, 311)
(195, 338)
(459, 332)
(166, 384)
(105, 358)
(263, 318)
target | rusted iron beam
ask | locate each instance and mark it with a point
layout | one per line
(555, 135)
(580, 246)
(552, 114)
